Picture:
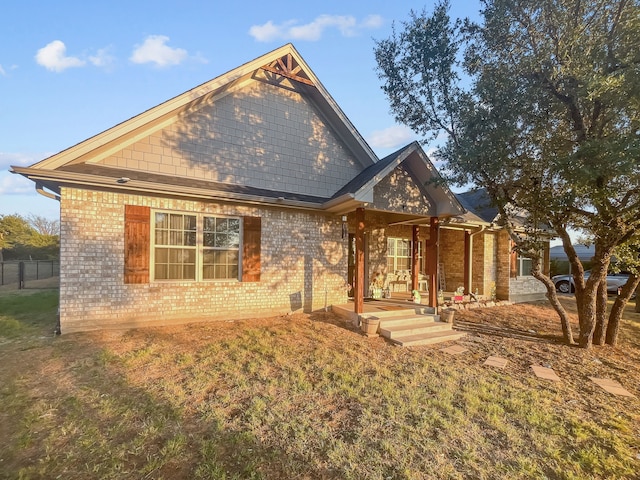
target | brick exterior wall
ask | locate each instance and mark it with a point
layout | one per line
(515, 289)
(304, 266)
(260, 136)
(452, 258)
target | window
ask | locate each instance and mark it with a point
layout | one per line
(195, 247)
(399, 254)
(523, 266)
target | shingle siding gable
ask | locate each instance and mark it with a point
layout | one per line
(261, 136)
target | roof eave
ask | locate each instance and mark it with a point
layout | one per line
(57, 179)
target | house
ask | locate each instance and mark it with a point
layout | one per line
(490, 265)
(250, 194)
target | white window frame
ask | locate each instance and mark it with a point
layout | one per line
(395, 256)
(520, 265)
(199, 247)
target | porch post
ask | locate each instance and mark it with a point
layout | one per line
(432, 261)
(415, 259)
(358, 296)
(467, 262)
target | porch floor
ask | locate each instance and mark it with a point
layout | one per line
(399, 301)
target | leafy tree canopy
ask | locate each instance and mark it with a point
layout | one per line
(540, 102)
(24, 238)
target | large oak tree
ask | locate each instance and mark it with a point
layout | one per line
(540, 103)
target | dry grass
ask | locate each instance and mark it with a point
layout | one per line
(306, 397)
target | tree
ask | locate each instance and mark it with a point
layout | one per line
(43, 225)
(540, 103)
(19, 239)
(14, 230)
(627, 258)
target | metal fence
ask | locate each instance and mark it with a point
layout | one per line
(20, 272)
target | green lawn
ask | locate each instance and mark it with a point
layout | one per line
(305, 397)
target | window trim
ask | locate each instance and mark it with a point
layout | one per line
(410, 256)
(519, 264)
(199, 247)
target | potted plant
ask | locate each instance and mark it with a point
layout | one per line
(446, 315)
(369, 326)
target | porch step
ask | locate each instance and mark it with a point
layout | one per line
(428, 338)
(407, 319)
(411, 329)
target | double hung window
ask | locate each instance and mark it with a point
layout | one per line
(195, 247)
(399, 254)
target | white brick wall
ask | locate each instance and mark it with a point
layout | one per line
(304, 265)
(261, 136)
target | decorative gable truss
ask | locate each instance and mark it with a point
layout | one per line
(288, 67)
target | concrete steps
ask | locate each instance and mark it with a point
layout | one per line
(416, 329)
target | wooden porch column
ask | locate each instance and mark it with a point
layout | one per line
(467, 262)
(415, 259)
(358, 296)
(432, 261)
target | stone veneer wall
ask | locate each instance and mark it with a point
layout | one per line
(304, 266)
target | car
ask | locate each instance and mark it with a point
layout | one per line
(564, 283)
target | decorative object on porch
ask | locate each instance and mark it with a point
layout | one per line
(446, 315)
(369, 326)
(415, 295)
(440, 297)
(377, 283)
(459, 295)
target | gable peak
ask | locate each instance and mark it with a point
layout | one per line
(289, 67)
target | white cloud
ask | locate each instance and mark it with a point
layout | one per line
(2, 71)
(19, 159)
(372, 21)
(53, 57)
(102, 58)
(11, 184)
(391, 137)
(154, 50)
(290, 30)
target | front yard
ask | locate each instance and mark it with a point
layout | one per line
(306, 397)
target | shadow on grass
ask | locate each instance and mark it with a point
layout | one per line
(505, 332)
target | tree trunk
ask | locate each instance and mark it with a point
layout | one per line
(618, 309)
(587, 294)
(637, 301)
(601, 314)
(536, 271)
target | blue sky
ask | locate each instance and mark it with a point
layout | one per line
(69, 70)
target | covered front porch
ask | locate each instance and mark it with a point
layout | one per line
(392, 213)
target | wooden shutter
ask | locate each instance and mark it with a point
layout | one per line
(137, 242)
(252, 227)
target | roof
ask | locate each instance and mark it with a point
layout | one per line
(585, 252)
(478, 204)
(414, 159)
(84, 165)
